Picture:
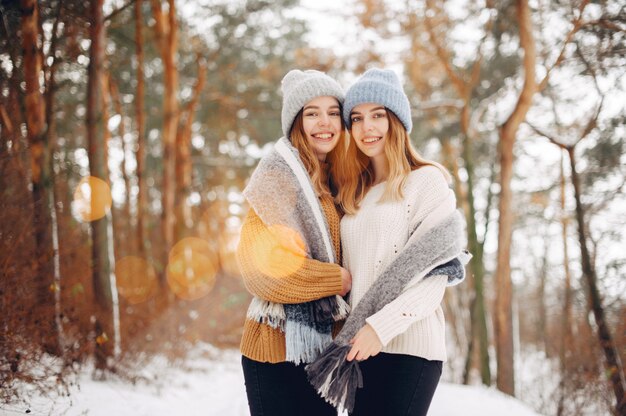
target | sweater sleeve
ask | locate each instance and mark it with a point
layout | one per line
(414, 303)
(279, 272)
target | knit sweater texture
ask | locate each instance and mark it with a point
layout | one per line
(308, 280)
(413, 323)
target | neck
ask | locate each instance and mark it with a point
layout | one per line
(381, 168)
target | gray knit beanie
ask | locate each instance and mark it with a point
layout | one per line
(300, 87)
(379, 86)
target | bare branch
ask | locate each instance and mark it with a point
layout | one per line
(527, 42)
(608, 24)
(588, 67)
(444, 55)
(475, 72)
(548, 136)
(578, 23)
(593, 121)
(443, 103)
(118, 11)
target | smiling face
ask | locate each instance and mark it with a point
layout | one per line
(321, 122)
(370, 129)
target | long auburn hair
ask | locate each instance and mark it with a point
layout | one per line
(322, 183)
(354, 175)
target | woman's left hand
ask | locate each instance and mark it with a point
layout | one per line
(365, 344)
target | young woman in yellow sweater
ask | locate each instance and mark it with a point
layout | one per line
(289, 251)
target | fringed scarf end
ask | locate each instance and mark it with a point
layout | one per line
(335, 378)
(342, 309)
(303, 343)
(269, 313)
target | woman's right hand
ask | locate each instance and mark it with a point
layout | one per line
(346, 282)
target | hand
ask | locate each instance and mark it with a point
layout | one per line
(346, 281)
(365, 344)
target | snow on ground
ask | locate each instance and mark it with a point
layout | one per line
(211, 383)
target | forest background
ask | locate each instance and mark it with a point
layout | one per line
(128, 129)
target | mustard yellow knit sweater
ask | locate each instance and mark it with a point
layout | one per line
(312, 280)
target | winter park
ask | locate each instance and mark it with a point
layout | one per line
(368, 207)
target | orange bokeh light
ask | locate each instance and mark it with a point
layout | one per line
(193, 244)
(279, 251)
(191, 271)
(92, 199)
(136, 279)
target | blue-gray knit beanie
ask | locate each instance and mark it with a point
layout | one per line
(300, 87)
(379, 86)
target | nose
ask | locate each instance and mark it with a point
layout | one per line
(367, 124)
(324, 119)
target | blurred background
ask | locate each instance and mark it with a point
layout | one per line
(128, 129)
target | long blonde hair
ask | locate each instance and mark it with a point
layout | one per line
(354, 176)
(322, 184)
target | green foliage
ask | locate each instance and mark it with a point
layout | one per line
(249, 50)
(605, 157)
(247, 47)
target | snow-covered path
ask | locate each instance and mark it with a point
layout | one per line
(215, 387)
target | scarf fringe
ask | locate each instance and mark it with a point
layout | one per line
(303, 343)
(335, 378)
(269, 313)
(464, 257)
(342, 309)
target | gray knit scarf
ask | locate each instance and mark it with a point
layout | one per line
(281, 193)
(432, 249)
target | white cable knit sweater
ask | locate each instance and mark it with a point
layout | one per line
(413, 323)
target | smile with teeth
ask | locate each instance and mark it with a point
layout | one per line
(323, 136)
(371, 139)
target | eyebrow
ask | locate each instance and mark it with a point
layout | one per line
(371, 111)
(317, 107)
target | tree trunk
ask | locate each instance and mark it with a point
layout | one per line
(41, 179)
(97, 165)
(464, 88)
(613, 367)
(508, 131)
(477, 311)
(567, 306)
(454, 301)
(51, 87)
(140, 115)
(503, 313)
(566, 338)
(118, 223)
(167, 36)
(13, 115)
(127, 223)
(183, 156)
(449, 161)
(543, 313)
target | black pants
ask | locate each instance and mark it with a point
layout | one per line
(397, 385)
(281, 389)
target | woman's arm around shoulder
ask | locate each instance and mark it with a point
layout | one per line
(273, 272)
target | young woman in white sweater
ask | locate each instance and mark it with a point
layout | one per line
(386, 190)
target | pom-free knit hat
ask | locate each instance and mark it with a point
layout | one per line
(379, 86)
(300, 87)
